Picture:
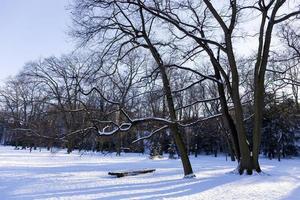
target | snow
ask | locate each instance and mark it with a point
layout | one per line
(44, 175)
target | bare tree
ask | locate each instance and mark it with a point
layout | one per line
(123, 27)
(291, 74)
(198, 30)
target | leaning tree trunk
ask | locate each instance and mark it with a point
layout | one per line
(227, 117)
(174, 127)
(187, 167)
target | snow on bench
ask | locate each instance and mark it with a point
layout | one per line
(130, 173)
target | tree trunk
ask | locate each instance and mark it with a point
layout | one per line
(258, 114)
(228, 119)
(259, 79)
(174, 127)
(120, 136)
(188, 171)
(245, 161)
(245, 154)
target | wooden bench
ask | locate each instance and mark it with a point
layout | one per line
(130, 173)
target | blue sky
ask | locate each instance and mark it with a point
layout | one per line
(31, 29)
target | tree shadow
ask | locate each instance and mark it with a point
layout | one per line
(152, 190)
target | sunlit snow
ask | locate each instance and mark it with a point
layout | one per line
(44, 175)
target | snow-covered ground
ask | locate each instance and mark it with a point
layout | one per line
(44, 175)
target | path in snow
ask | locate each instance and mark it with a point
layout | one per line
(42, 175)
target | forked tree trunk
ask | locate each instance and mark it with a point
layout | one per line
(259, 81)
(245, 160)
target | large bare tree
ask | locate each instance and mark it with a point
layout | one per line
(213, 28)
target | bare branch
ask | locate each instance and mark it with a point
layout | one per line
(151, 134)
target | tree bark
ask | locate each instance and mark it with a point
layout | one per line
(187, 167)
(228, 119)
